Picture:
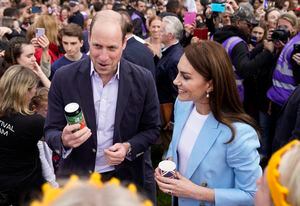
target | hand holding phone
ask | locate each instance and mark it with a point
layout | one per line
(39, 32)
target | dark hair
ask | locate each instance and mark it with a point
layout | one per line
(172, 6)
(137, 2)
(211, 60)
(97, 6)
(127, 20)
(14, 50)
(73, 30)
(11, 12)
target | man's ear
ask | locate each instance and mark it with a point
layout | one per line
(125, 43)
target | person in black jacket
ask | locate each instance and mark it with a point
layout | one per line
(20, 130)
(288, 124)
(76, 17)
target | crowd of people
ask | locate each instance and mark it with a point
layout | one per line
(223, 105)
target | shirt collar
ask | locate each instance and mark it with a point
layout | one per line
(167, 47)
(116, 76)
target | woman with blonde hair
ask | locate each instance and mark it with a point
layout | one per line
(154, 40)
(280, 184)
(20, 130)
(51, 26)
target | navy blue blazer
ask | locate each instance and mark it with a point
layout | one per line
(288, 123)
(166, 72)
(144, 57)
(137, 118)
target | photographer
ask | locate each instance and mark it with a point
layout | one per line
(286, 73)
(284, 81)
(234, 38)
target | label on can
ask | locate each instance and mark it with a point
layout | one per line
(74, 114)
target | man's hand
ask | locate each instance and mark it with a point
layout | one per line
(116, 154)
(73, 136)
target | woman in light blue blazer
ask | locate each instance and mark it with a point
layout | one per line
(214, 143)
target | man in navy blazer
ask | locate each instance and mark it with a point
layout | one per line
(111, 145)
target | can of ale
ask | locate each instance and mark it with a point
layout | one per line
(74, 114)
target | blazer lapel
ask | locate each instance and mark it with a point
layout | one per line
(204, 142)
(86, 96)
(180, 122)
(125, 82)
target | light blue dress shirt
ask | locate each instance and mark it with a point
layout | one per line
(105, 103)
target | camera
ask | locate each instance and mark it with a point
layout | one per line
(281, 35)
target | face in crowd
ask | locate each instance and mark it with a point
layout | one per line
(258, 32)
(27, 57)
(106, 45)
(155, 28)
(72, 46)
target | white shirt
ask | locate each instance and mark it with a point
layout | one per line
(188, 138)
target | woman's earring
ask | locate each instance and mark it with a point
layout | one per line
(207, 94)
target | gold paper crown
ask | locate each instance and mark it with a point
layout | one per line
(277, 190)
(50, 193)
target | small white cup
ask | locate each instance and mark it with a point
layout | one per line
(167, 168)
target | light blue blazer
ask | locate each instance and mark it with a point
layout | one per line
(230, 169)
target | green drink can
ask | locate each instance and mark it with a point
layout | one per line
(74, 114)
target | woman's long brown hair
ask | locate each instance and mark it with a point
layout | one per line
(211, 60)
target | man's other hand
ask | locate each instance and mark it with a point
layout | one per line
(116, 154)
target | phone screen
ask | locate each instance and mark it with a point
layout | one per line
(39, 32)
(189, 17)
(217, 7)
(36, 9)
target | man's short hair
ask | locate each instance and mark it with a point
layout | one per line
(127, 21)
(173, 26)
(111, 16)
(73, 30)
(172, 6)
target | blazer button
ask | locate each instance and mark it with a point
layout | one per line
(90, 171)
(94, 150)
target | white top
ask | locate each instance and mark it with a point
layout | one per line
(188, 138)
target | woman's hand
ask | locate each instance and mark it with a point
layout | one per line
(39, 72)
(40, 42)
(180, 187)
(189, 28)
(296, 58)
(43, 42)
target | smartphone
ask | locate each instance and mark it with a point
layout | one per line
(217, 7)
(296, 48)
(189, 17)
(39, 32)
(36, 9)
(201, 33)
